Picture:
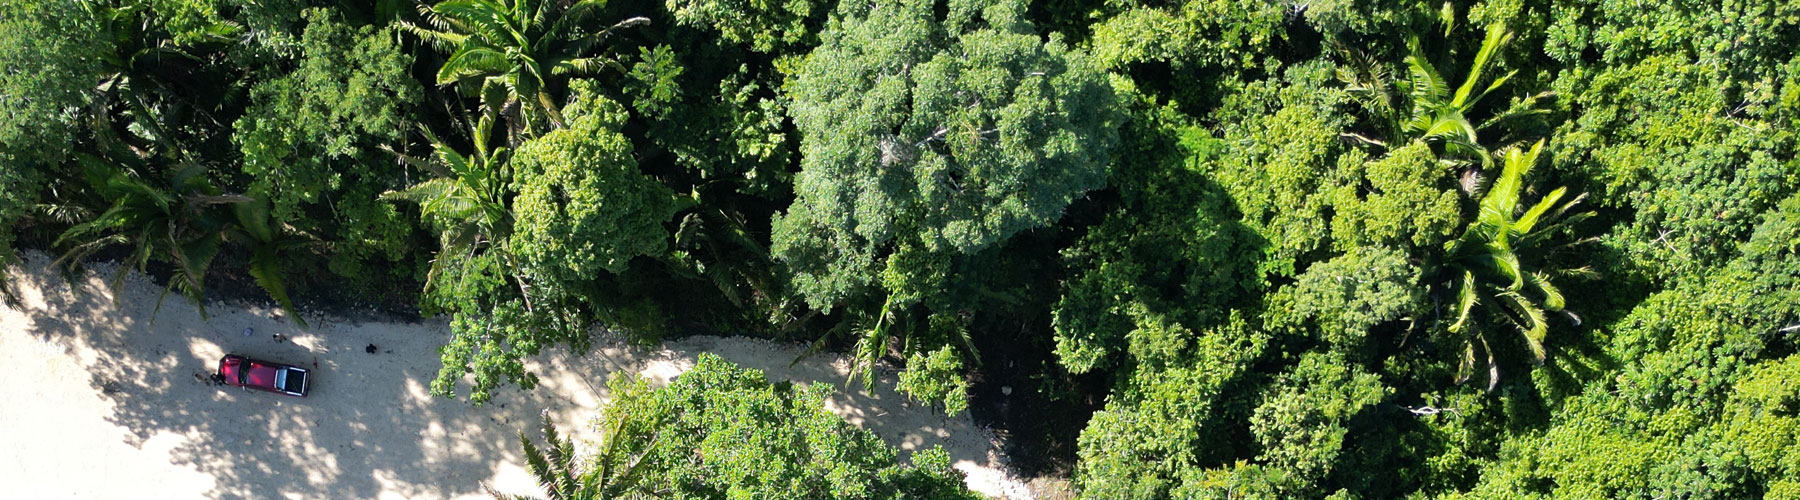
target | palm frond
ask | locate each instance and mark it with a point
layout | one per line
(1493, 368)
(561, 452)
(1524, 107)
(417, 162)
(132, 188)
(868, 351)
(1583, 272)
(107, 220)
(617, 483)
(727, 283)
(1564, 209)
(550, 109)
(1507, 263)
(611, 441)
(489, 489)
(423, 191)
(471, 62)
(1426, 84)
(1497, 36)
(458, 164)
(145, 244)
(872, 346)
(266, 269)
(1465, 301)
(494, 96)
(1530, 320)
(1536, 238)
(201, 200)
(440, 40)
(586, 42)
(484, 20)
(1553, 298)
(1530, 219)
(62, 213)
(440, 263)
(1446, 17)
(191, 258)
(457, 205)
(540, 467)
(1466, 367)
(1503, 197)
(578, 14)
(583, 66)
(540, 12)
(1497, 83)
(1450, 125)
(71, 260)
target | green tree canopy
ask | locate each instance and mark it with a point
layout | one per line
(720, 431)
(311, 138)
(949, 132)
(763, 24)
(1704, 402)
(583, 207)
(928, 136)
(60, 42)
(527, 235)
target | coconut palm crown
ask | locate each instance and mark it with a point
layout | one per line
(508, 49)
(1488, 263)
(465, 201)
(1421, 106)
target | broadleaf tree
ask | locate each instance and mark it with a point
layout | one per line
(721, 431)
(528, 235)
(928, 138)
(311, 140)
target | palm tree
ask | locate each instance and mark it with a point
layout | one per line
(271, 244)
(1438, 115)
(171, 219)
(149, 76)
(155, 192)
(606, 476)
(1421, 106)
(506, 49)
(716, 246)
(466, 202)
(1488, 263)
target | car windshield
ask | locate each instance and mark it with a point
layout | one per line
(294, 381)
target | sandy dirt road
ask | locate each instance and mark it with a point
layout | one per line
(99, 401)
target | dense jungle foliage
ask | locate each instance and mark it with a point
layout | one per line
(1211, 248)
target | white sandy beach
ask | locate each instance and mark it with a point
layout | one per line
(99, 401)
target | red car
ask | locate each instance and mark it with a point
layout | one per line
(262, 375)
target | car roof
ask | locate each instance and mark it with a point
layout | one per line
(263, 375)
(254, 371)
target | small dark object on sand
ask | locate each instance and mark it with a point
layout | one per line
(209, 378)
(370, 349)
(280, 338)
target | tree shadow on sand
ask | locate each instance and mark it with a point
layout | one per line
(369, 428)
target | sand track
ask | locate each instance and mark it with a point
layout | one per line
(99, 401)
